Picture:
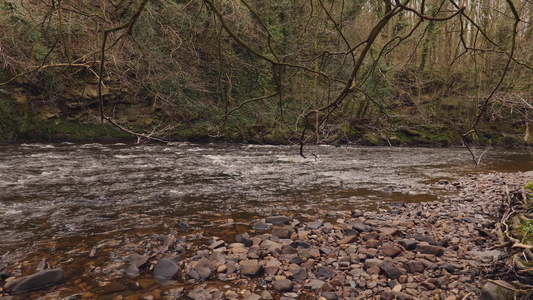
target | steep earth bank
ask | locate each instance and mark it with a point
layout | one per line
(74, 116)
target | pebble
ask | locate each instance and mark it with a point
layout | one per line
(314, 285)
(282, 285)
(278, 220)
(428, 250)
(165, 269)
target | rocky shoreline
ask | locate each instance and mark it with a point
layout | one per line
(435, 250)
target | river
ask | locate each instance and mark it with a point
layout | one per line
(56, 195)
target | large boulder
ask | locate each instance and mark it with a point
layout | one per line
(165, 269)
(35, 282)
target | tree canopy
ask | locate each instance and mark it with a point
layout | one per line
(308, 70)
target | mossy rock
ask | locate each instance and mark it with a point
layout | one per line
(412, 132)
(371, 138)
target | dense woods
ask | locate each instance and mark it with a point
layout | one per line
(109, 220)
(337, 71)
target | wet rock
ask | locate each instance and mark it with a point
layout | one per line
(423, 238)
(372, 243)
(389, 231)
(356, 213)
(296, 260)
(408, 244)
(300, 274)
(314, 285)
(373, 262)
(217, 244)
(241, 237)
(486, 256)
(183, 226)
(391, 251)
(300, 244)
(193, 274)
(429, 249)
(372, 252)
(93, 253)
(429, 264)
(278, 220)
(283, 285)
(265, 295)
(361, 227)
(428, 285)
(416, 266)
(217, 257)
(403, 296)
(4, 273)
(450, 268)
(470, 220)
(373, 271)
(443, 243)
(314, 253)
(330, 295)
(168, 242)
(35, 281)
(371, 236)
(349, 232)
(165, 269)
(239, 250)
(327, 287)
(222, 269)
(315, 224)
(261, 226)
(390, 270)
(138, 260)
(204, 263)
(132, 271)
(199, 294)
(282, 232)
(324, 273)
(253, 297)
(271, 270)
(287, 249)
(326, 250)
(244, 238)
(387, 296)
(203, 272)
(252, 270)
(411, 292)
(442, 282)
(348, 240)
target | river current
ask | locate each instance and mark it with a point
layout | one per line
(53, 192)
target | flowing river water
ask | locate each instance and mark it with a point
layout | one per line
(56, 197)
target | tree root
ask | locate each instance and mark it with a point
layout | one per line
(514, 232)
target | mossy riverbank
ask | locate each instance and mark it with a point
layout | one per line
(22, 121)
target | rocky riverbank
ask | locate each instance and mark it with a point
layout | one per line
(436, 250)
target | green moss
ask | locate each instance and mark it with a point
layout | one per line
(526, 231)
(371, 138)
(412, 132)
(64, 130)
(17, 124)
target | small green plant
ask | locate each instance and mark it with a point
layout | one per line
(529, 186)
(526, 231)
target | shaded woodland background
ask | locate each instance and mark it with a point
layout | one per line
(330, 71)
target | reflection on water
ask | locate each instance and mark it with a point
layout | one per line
(67, 190)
